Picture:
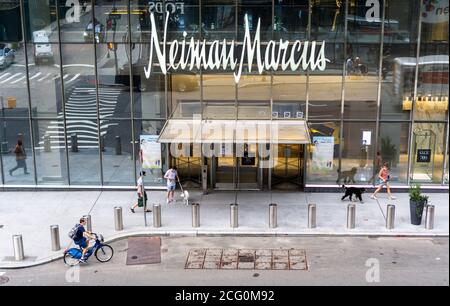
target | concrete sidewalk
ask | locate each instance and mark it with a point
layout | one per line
(32, 213)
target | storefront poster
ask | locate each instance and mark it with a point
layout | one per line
(323, 151)
(150, 152)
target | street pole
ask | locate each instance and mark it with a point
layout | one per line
(4, 145)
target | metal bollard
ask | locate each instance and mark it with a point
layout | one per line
(156, 215)
(18, 248)
(429, 217)
(195, 215)
(272, 215)
(351, 212)
(234, 215)
(118, 146)
(74, 142)
(390, 216)
(47, 146)
(312, 215)
(118, 219)
(88, 222)
(54, 233)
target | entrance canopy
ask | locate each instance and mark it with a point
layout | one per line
(235, 131)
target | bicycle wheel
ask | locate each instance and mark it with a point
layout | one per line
(104, 253)
(69, 260)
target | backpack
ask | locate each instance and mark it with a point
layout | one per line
(73, 232)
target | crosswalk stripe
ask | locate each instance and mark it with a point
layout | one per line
(35, 76)
(4, 75)
(10, 78)
(18, 80)
(73, 79)
(44, 77)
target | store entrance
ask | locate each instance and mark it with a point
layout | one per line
(287, 173)
(238, 171)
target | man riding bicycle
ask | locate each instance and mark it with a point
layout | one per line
(82, 238)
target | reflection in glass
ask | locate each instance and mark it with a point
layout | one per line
(428, 153)
(358, 153)
(393, 149)
(51, 165)
(117, 155)
(18, 166)
(399, 59)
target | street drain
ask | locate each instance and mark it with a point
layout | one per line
(3, 280)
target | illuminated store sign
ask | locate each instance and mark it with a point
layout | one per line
(215, 55)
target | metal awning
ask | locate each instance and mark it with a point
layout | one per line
(235, 131)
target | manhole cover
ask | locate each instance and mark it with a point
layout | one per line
(3, 280)
(143, 250)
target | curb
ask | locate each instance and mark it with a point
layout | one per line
(197, 233)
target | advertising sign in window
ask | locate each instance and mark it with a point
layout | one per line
(150, 152)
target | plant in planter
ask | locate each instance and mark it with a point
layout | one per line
(417, 202)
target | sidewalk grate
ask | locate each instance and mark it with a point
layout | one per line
(247, 259)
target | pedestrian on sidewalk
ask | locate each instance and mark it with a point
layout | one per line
(142, 194)
(172, 177)
(21, 156)
(383, 180)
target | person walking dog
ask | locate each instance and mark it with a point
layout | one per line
(383, 179)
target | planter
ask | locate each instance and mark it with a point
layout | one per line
(416, 209)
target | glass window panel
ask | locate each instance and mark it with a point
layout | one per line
(289, 96)
(358, 153)
(219, 96)
(185, 94)
(140, 19)
(255, 10)
(113, 80)
(13, 80)
(361, 66)
(113, 19)
(323, 153)
(399, 58)
(184, 17)
(51, 165)
(254, 96)
(149, 94)
(428, 153)
(45, 79)
(219, 19)
(77, 24)
(393, 149)
(432, 84)
(154, 177)
(10, 22)
(291, 19)
(40, 19)
(328, 24)
(81, 114)
(117, 156)
(18, 166)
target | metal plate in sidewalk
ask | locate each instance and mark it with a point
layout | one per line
(247, 259)
(144, 250)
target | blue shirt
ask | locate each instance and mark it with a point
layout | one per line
(79, 234)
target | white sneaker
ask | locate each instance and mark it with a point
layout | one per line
(373, 197)
(392, 198)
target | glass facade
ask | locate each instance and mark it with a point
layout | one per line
(73, 90)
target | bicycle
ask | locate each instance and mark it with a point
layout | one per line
(101, 251)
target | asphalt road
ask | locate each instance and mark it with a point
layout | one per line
(331, 261)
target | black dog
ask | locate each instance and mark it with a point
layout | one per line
(350, 191)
